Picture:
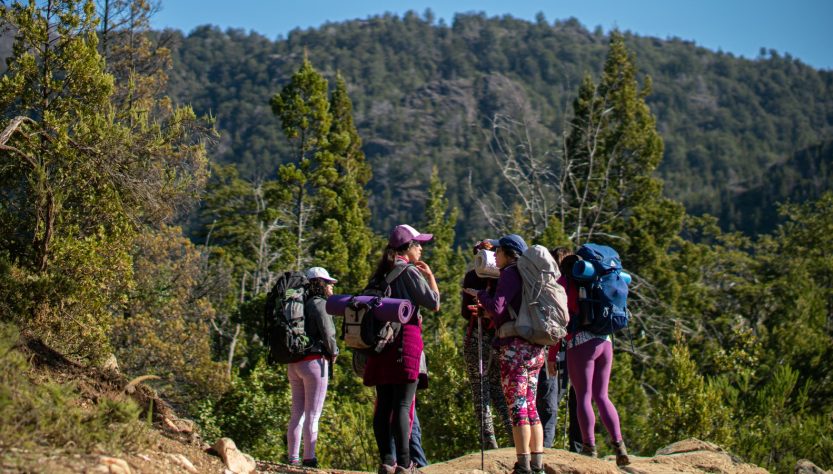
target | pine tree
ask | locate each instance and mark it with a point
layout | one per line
(448, 266)
(324, 181)
(611, 153)
(447, 431)
(346, 237)
(138, 62)
(304, 110)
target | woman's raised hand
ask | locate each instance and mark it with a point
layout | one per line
(429, 277)
(424, 268)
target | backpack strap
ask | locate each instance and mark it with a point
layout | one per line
(394, 274)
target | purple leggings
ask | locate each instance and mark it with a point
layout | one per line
(308, 380)
(588, 366)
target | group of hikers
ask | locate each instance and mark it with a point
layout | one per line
(523, 381)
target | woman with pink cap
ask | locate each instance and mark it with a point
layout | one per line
(395, 371)
(308, 377)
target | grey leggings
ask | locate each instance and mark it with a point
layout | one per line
(492, 392)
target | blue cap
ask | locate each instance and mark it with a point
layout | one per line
(511, 241)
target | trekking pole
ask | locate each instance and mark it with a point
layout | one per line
(567, 417)
(480, 372)
(566, 379)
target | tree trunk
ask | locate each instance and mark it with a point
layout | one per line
(300, 229)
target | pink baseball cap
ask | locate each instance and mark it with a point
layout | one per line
(403, 234)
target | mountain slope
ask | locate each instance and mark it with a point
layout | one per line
(422, 95)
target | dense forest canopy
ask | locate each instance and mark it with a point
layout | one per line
(425, 93)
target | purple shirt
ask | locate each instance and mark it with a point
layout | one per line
(509, 291)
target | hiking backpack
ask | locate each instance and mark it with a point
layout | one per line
(284, 319)
(603, 290)
(363, 332)
(543, 317)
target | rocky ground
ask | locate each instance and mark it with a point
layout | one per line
(175, 446)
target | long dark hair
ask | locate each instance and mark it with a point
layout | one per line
(559, 253)
(566, 265)
(316, 287)
(388, 260)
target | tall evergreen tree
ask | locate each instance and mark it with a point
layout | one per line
(304, 110)
(138, 61)
(448, 266)
(324, 181)
(613, 148)
(346, 237)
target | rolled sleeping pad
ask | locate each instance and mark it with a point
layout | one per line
(626, 277)
(583, 270)
(393, 310)
(485, 265)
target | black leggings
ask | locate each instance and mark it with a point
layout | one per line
(392, 418)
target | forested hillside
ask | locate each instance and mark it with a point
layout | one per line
(425, 93)
(805, 176)
(327, 138)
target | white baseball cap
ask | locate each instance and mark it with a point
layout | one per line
(321, 274)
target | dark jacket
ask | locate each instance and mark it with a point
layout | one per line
(319, 327)
(398, 363)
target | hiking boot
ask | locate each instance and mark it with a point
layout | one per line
(412, 469)
(588, 450)
(622, 458)
(386, 469)
(536, 463)
(518, 469)
(294, 462)
(310, 462)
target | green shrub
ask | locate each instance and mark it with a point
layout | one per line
(254, 413)
(52, 414)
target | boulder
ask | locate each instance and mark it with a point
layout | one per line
(235, 460)
(803, 466)
(112, 466)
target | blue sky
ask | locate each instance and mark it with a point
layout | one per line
(802, 28)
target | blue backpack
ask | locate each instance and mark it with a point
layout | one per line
(603, 290)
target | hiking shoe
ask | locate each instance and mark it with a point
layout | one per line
(588, 450)
(622, 458)
(310, 462)
(386, 469)
(412, 469)
(294, 462)
(518, 469)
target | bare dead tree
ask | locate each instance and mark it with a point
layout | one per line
(526, 172)
(587, 177)
(266, 253)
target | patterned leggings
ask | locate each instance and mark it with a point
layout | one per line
(492, 393)
(520, 363)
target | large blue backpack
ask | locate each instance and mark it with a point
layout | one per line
(603, 290)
